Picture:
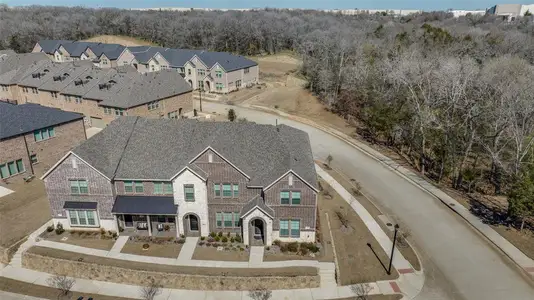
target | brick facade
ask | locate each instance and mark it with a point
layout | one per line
(180, 103)
(48, 152)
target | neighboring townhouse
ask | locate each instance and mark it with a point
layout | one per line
(34, 137)
(212, 72)
(14, 67)
(170, 177)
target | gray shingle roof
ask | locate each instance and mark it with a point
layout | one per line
(16, 66)
(166, 146)
(66, 75)
(257, 201)
(46, 72)
(50, 46)
(24, 118)
(7, 52)
(154, 205)
(228, 61)
(87, 80)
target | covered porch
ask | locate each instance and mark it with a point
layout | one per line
(146, 216)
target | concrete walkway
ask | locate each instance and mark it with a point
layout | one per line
(119, 244)
(188, 248)
(256, 255)
(12, 296)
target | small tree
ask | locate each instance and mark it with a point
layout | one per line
(63, 284)
(521, 197)
(232, 115)
(260, 294)
(528, 13)
(361, 290)
(150, 291)
(329, 160)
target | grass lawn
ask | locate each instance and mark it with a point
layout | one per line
(357, 261)
(170, 250)
(350, 185)
(141, 266)
(89, 241)
(23, 211)
(211, 253)
(522, 240)
(24, 288)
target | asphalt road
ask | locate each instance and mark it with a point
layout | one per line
(458, 262)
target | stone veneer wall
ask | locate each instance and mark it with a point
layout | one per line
(167, 280)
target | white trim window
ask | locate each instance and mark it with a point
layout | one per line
(83, 218)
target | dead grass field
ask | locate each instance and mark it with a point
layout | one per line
(282, 257)
(24, 288)
(211, 253)
(23, 211)
(159, 250)
(120, 39)
(522, 240)
(93, 241)
(357, 261)
(350, 186)
(206, 271)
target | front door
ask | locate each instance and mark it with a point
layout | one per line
(256, 238)
(191, 225)
(128, 221)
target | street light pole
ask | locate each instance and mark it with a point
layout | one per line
(393, 248)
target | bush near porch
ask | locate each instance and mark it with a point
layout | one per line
(221, 246)
(101, 239)
(280, 251)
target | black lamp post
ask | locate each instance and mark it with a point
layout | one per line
(393, 248)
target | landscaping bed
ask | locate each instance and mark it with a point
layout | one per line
(281, 251)
(357, 262)
(102, 239)
(56, 261)
(153, 246)
(24, 288)
(221, 246)
(354, 188)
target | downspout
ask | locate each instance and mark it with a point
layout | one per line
(28, 154)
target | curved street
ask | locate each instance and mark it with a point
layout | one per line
(458, 262)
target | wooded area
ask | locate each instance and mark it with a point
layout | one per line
(454, 95)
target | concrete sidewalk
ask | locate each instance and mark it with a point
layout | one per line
(119, 244)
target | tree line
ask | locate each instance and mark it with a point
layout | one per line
(452, 95)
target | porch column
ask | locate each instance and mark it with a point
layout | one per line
(177, 228)
(149, 225)
(115, 219)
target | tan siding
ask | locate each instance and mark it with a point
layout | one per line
(184, 101)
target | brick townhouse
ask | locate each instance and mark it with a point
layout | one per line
(34, 137)
(160, 177)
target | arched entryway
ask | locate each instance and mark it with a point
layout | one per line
(191, 225)
(256, 232)
(207, 87)
(190, 82)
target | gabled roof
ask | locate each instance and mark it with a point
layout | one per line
(25, 118)
(66, 75)
(259, 203)
(50, 46)
(15, 67)
(87, 80)
(229, 62)
(167, 146)
(46, 72)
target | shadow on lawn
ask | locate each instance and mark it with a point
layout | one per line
(376, 255)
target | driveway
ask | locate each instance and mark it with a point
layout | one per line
(458, 262)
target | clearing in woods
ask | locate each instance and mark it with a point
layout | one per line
(120, 39)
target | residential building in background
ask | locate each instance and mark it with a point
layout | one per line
(511, 11)
(462, 12)
(34, 137)
(213, 72)
(101, 95)
(170, 177)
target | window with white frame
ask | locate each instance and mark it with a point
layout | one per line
(78, 187)
(189, 192)
(44, 134)
(238, 83)
(163, 188)
(173, 115)
(11, 168)
(53, 94)
(153, 105)
(201, 72)
(134, 186)
(227, 219)
(290, 197)
(289, 228)
(83, 218)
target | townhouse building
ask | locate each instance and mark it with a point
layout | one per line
(101, 95)
(34, 137)
(212, 72)
(161, 177)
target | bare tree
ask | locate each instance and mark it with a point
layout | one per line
(361, 290)
(260, 294)
(63, 284)
(150, 291)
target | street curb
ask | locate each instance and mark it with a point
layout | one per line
(454, 208)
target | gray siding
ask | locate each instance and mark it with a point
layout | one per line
(304, 212)
(58, 188)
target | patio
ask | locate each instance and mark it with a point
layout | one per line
(147, 225)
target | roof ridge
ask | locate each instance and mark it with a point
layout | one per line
(124, 149)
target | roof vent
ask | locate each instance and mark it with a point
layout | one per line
(56, 78)
(78, 82)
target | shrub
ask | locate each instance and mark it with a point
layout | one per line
(277, 243)
(232, 239)
(195, 113)
(181, 241)
(241, 249)
(102, 231)
(59, 228)
(70, 231)
(304, 251)
(121, 229)
(213, 234)
(232, 115)
(220, 233)
(110, 233)
(284, 248)
(215, 245)
(226, 249)
(167, 227)
(208, 244)
(267, 248)
(115, 235)
(182, 236)
(238, 238)
(293, 246)
(228, 234)
(225, 239)
(50, 228)
(217, 238)
(200, 243)
(202, 238)
(211, 240)
(310, 246)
